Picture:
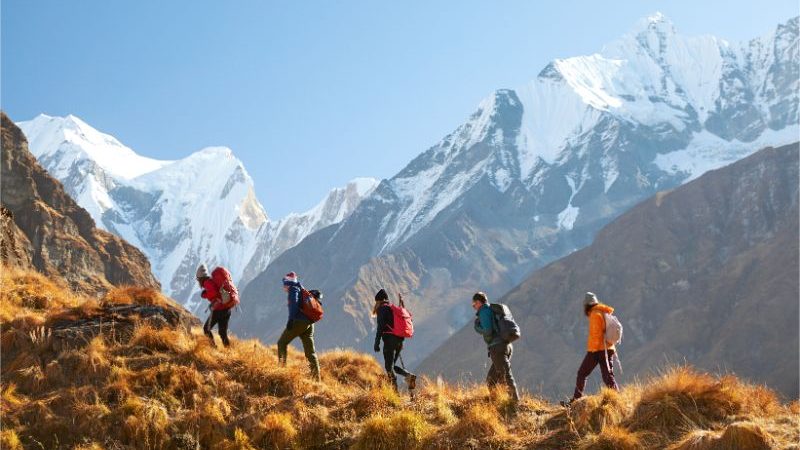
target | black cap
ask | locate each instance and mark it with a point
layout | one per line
(381, 296)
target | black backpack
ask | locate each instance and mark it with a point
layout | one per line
(507, 328)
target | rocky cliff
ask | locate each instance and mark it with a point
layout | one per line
(48, 230)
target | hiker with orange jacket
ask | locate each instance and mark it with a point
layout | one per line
(220, 312)
(391, 334)
(298, 325)
(598, 351)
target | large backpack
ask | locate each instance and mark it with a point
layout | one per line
(403, 325)
(613, 332)
(229, 295)
(507, 327)
(310, 304)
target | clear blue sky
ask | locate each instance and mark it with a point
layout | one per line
(337, 89)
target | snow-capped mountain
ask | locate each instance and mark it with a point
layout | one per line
(697, 102)
(202, 208)
(537, 170)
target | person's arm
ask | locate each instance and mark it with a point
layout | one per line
(210, 291)
(294, 301)
(381, 326)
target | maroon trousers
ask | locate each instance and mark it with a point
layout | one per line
(591, 360)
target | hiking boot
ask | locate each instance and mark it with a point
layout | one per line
(411, 381)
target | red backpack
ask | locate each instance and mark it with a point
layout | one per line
(227, 290)
(403, 325)
(310, 304)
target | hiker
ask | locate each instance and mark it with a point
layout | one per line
(220, 310)
(392, 341)
(297, 325)
(500, 351)
(598, 351)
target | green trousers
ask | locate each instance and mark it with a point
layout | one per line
(304, 330)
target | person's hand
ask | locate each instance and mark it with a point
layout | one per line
(377, 347)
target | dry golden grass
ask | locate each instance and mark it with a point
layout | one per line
(275, 430)
(164, 387)
(404, 429)
(682, 400)
(613, 438)
(595, 412)
(9, 440)
(738, 435)
(132, 295)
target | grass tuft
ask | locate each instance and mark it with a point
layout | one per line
(404, 429)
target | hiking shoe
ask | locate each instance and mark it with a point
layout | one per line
(411, 381)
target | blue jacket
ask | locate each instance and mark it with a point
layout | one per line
(484, 325)
(294, 299)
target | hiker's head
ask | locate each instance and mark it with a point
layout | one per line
(202, 274)
(478, 300)
(380, 297)
(289, 279)
(589, 302)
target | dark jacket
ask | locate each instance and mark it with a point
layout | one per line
(385, 321)
(293, 301)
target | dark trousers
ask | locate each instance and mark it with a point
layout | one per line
(305, 331)
(220, 318)
(500, 371)
(392, 346)
(590, 361)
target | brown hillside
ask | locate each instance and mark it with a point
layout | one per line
(45, 228)
(132, 371)
(705, 274)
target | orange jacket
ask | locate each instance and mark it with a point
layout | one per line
(597, 328)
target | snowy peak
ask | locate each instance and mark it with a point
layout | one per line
(699, 94)
(656, 24)
(70, 139)
(202, 208)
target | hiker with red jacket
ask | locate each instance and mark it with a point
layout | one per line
(392, 335)
(213, 291)
(598, 351)
(298, 325)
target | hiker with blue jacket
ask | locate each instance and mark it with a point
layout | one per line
(500, 351)
(298, 325)
(392, 342)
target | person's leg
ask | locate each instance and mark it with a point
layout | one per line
(307, 337)
(389, 350)
(410, 378)
(589, 361)
(287, 336)
(607, 370)
(398, 347)
(210, 322)
(493, 377)
(224, 318)
(506, 372)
